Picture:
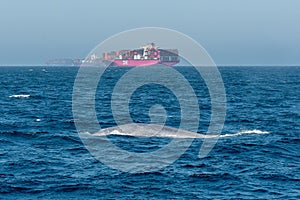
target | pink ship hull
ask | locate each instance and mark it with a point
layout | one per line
(135, 62)
(140, 63)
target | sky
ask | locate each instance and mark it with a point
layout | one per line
(234, 32)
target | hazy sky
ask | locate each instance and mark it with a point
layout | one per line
(239, 32)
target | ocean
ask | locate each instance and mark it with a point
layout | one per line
(256, 157)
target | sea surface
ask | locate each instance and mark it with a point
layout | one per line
(258, 156)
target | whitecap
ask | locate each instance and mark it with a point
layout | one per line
(19, 96)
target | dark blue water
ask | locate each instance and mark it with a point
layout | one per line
(42, 156)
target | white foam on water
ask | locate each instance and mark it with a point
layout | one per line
(85, 133)
(19, 96)
(245, 132)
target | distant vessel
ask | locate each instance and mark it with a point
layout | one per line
(147, 55)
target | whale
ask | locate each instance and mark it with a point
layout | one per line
(156, 130)
(150, 130)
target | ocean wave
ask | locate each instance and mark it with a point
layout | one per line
(154, 130)
(19, 96)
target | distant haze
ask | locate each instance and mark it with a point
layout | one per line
(233, 32)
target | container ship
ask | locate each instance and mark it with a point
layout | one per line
(147, 55)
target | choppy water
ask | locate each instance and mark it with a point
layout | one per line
(41, 155)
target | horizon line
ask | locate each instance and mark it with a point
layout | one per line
(218, 65)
